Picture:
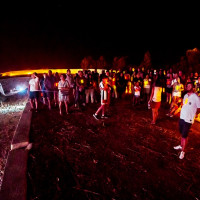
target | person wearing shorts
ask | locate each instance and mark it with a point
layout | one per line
(63, 94)
(155, 99)
(191, 102)
(34, 91)
(146, 88)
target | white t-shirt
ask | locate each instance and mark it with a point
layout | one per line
(157, 94)
(137, 91)
(189, 109)
(34, 84)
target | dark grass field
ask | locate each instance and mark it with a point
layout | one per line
(123, 157)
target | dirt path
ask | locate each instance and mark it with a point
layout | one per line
(123, 157)
(10, 112)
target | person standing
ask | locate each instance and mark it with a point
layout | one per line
(33, 90)
(70, 79)
(155, 99)
(104, 98)
(49, 85)
(63, 94)
(89, 90)
(191, 102)
(80, 89)
(42, 85)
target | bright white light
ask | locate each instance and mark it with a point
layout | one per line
(20, 88)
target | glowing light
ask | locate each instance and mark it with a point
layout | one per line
(41, 71)
(133, 69)
(82, 81)
(20, 88)
(177, 87)
(186, 101)
(146, 83)
(163, 90)
(127, 76)
(126, 90)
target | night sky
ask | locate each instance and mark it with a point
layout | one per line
(59, 35)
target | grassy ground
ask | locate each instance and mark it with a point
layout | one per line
(123, 157)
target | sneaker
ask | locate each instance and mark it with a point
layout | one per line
(104, 117)
(171, 115)
(95, 116)
(179, 147)
(182, 154)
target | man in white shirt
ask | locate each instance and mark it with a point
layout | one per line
(191, 102)
(34, 91)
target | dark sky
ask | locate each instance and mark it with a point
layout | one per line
(36, 35)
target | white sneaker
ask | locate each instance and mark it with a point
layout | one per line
(179, 147)
(95, 116)
(182, 154)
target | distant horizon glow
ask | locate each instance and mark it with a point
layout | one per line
(41, 71)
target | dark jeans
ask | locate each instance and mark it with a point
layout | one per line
(80, 96)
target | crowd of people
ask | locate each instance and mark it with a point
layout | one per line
(149, 87)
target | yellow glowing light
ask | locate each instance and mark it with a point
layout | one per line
(133, 69)
(126, 90)
(177, 87)
(163, 90)
(146, 83)
(41, 71)
(130, 87)
(186, 101)
(82, 81)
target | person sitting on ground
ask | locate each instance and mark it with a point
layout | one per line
(177, 92)
(63, 94)
(175, 109)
